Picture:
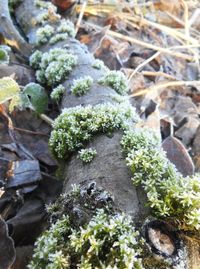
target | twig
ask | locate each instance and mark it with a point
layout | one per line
(186, 21)
(156, 74)
(80, 16)
(146, 45)
(140, 66)
(29, 132)
(46, 119)
(167, 84)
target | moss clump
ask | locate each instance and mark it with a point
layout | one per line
(53, 66)
(58, 37)
(4, 54)
(116, 80)
(99, 64)
(106, 242)
(169, 193)
(57, 92)
(35, 59)
(76, 126)
(82, 85)
(43, 34)
(87, 155)
(50, 247)
(67, 27)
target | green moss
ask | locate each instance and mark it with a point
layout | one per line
(87, 155)
(44, 5)
(35, 59)
(169, 194)
(4, 54)
(58, 37)
(53, 66)
(43, 34)
(67, 27)
(76, 126)
(57, 92)
(82, 85)
(99, 64)
(116, 80)
(105, 242)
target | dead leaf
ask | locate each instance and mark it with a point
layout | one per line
(23, 173)
(7, 250)
(178, 155)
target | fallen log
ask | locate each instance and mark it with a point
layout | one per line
(167, 245)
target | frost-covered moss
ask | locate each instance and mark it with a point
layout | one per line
(106, 242)
(53, 66)
(35, 59)
(82, 85)
(87, 155)
(43, 34)
(66, 26)
(116, 80)
(169, 193)
(58, 37)
(57, 92)
(99, 64)
(76, 126)
(50, 250)
(44, 5)
(4, 54)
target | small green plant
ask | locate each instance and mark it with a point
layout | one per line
(106, 242)
(43, 34)
(53, 66)
(87, 155)
(82, 85)
(76, 126)
(57, 92)
(32, 96)
(116, 80)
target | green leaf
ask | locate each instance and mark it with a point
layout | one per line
(4, 57)
(9, 89)
(37, 97)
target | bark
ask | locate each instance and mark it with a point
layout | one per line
(108, 169)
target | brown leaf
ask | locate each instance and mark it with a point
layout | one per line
(7, 250)
(23, 173)
(178, 155)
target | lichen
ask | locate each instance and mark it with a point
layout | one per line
(116, 80)
(82, 85)
(76, 126)
(53, 66)
(57, 93)
(87, 155)
(44, 34)
(107, 241)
